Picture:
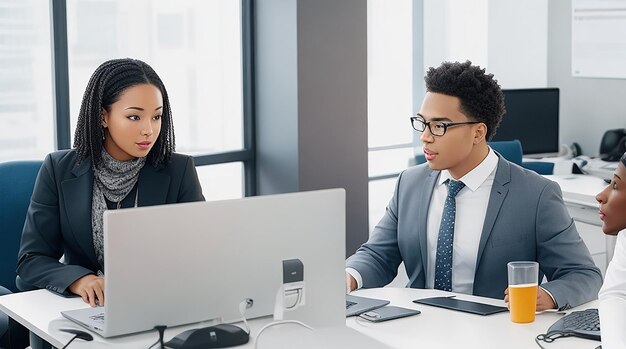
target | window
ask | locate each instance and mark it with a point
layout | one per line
(200, 49)
(390, 98)
(194, 46)
(26, 110)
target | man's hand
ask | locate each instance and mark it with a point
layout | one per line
(544, 301)
(350, 283)
(90, 288)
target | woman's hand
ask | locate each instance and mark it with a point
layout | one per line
(90, 288)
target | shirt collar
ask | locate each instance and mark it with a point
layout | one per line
(477, 176)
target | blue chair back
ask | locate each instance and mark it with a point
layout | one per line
(17, 179)
(511, 150)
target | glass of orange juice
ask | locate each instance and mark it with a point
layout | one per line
(523, 278)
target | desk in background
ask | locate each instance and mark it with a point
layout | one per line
(579, 195)
(40, 310)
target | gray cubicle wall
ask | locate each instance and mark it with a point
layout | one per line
(311, 101)
(588, 106)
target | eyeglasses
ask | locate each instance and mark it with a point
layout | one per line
(436, 128)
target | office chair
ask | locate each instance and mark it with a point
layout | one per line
(511, 150)
(543, 168)
(17, 179)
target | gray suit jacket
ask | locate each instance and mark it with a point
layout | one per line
(526, 220)
(58, 222)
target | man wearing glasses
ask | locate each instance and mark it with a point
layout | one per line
(457, 221)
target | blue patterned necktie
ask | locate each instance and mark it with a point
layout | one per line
(443, 263)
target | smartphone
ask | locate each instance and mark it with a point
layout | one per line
(388, 313)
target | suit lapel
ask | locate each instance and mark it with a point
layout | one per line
(496, 198)
(153, 186)
(424, 196)
(77, 195)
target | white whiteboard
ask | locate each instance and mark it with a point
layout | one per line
(599, 38)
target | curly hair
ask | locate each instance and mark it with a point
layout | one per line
(105, 87)
(480, 95)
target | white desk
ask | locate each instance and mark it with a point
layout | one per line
(579, 195)
(433, 328)
(441, 328)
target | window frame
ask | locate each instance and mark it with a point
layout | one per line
(61, 98)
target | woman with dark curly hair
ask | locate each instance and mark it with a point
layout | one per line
(123, 157)
(612, 295)
(458, 220)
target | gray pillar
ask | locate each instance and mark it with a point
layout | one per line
(311, 102)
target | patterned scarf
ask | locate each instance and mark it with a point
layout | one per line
(113, 180)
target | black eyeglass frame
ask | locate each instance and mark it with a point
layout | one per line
(420, 119)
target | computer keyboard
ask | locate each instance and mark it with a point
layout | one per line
(585, 324)
(99, 318)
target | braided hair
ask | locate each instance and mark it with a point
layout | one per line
(480, 95)
(105, 87)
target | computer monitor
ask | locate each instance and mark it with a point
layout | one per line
(186, 263)
(532, 116)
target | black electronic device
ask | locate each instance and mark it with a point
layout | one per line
(613, 144)
(585, 324)
(532, 116)
(78, 334)
(218, 336)
(388, 313)
(461, 305)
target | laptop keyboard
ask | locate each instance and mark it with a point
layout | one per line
(585, 324)
(99, 318)
(349, 304)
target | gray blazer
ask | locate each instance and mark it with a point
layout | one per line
(526, 220)
(58, 221)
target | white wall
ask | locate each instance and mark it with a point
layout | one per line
(589, 106)
(518, 42)
(455, 30)
(507, 37)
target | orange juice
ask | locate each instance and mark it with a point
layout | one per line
(523, 302)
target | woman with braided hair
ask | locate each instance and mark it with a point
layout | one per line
(123, 157)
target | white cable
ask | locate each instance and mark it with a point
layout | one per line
(282, 322)
(245, 304)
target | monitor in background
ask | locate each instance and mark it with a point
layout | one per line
(185, 263)
(532, 116)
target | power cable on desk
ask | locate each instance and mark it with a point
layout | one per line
(77, 334)
(161, 329)
(281, 322)
(68, 343)
(549, 338)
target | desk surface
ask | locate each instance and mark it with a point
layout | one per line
(441, 328)
(581, 189)
(433, 328)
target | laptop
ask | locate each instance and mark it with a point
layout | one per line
(192, 262)
(356, 305)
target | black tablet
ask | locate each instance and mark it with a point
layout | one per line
(461, 305)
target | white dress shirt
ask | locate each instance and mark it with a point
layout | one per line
(471, 208)
(613, 299)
